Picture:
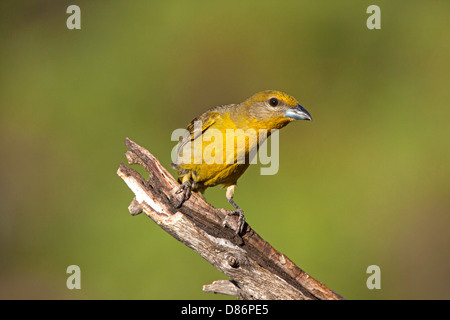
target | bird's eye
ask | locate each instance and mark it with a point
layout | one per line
(273, 102)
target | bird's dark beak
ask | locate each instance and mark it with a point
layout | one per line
(298, 113)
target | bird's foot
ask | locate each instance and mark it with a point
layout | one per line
(185, 191)
(241, 220)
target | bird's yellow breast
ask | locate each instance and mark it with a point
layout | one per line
(223, 149)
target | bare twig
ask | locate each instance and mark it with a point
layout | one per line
(256, 269)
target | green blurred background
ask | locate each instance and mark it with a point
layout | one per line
(366, 182)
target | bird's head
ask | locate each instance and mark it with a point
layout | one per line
(275, 109)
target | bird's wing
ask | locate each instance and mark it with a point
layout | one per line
(206, 120)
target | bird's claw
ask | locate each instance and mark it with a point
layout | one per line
(241, 220)
(185, 190)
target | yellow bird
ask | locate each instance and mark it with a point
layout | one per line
(218, 145)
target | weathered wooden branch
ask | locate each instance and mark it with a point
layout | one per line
(256, 269)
